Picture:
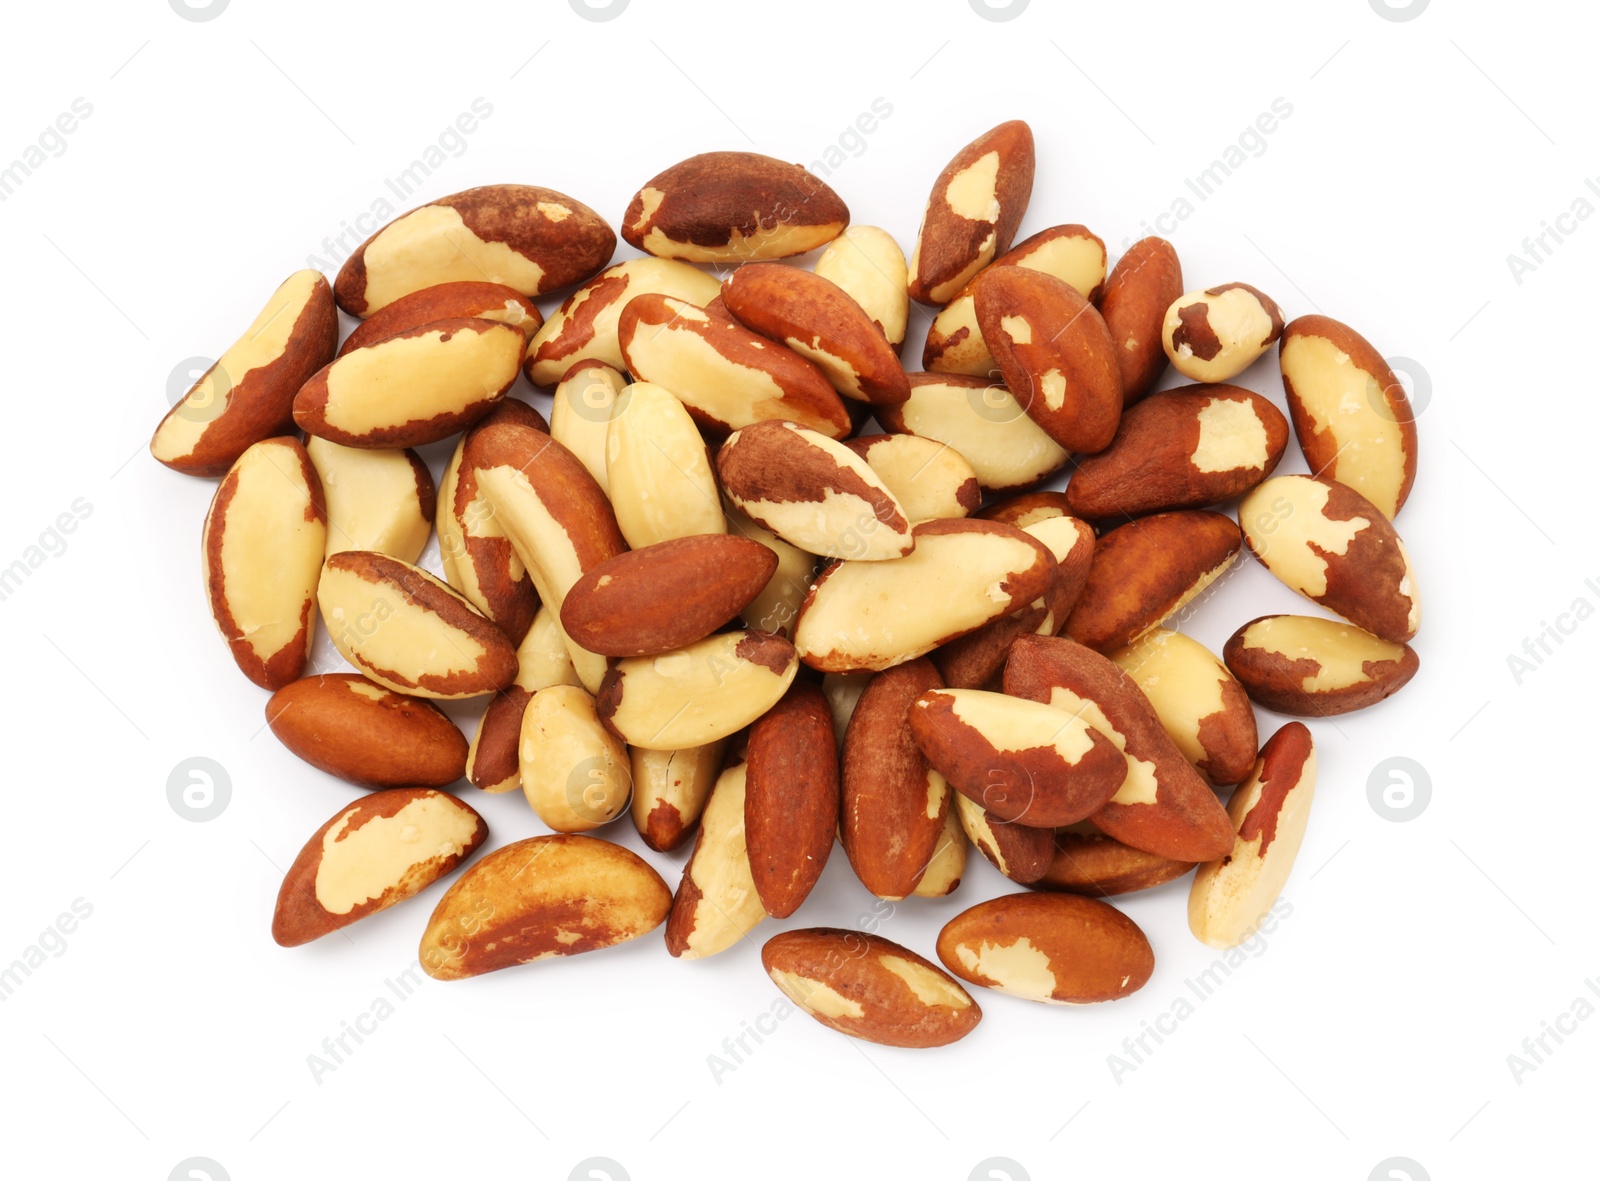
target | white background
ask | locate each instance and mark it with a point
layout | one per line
(1377, 1020)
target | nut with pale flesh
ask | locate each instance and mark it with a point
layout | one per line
(658, 474)
(1350, 412)
(1316, 668)
(982, 422)
(417, 387)
(1146, 571)
(717, 903)
(698, 693)
(670, 788)
(791, 805)
(868, 266)
(528, 238)
(949, 860)
(1216, 334)
(1028, 508)
(346, 725)
(1269, 811)
(1334, 546)
(973, 213)
(723, 207)
(931, 480)
(447, 301)
(777, 606)
(410, 632)
(1201, 706)
(574, 772)
(867, 987)
(581, 409)
(248, 395)
(1070, 253)
(1019, 851)
(1134, 303)
(494, 755)
(818, 320)
(728, 376)
(1183, 448)
(260, 555)
(539, 898)
(376, 500)
(861, 616)
(1056, 948)
(815, 493)
(1091, 863)
(585, 327)
(377, 852)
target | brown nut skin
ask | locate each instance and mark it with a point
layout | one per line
(1028, 508)
(1020, 852)
(291, 338)
(816, 319)
(1332, 545)
(1138, 292)
(1146, 570)
(361, 732)
(1183, 448)
(791, 802)
(1056, 948)
(973, 212)
(1316, 668)
(893, 803)
(867, 987)
(541, 897)
(447, 301)
(670, 789)
(732, 387)
(664, 596)
(723, 207)
(1218, 333)
(529, 238)
(1350, 412)
(1098, 866)
(1163, 806)
(437, 831)
(1054, 353)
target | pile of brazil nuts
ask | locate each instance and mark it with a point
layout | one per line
(699, 586)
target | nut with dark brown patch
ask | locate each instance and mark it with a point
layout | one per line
(791, 804)
(447, 301)
(973, 213)
(1315, 668)
(1216, 334)
(1028, 508)
(1201, 706)
(1134, 304)
(494, 755)
(1021, 852)
(538, 898)
(724, 207)
(717, 903)
(1091, 863)
(350, 727)
(528, 238)
(670, 789)
(1184, 448)
(932, 481)
(979, 419)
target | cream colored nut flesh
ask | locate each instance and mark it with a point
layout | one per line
(869, 266)
(377, 500)
(581, 412)
(717, 903)
(658, 473)
(777, 607)
(574, 772)
(931, 481)
(983, 423)
(949, 860)
(1216, 334)
(670, 788)
(1199, 703)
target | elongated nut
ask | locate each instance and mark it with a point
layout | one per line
(370, 856)
(538, 898)
(717, 903)
(1090, 862)
(791, 798)
(348, 726)
(670, 788)
(818, 320)
(728, 376)
(1020, 852)
(1334, 546)
(1055, 948)
(867, 987)
(1351, 414)
(574, 773)
(1201, 706)
(1134, 304)
(698, 693)
(447, 301)
(410, 632)
(930, 480)
(418, 387)
(813, 492)
(580, 413)
(949, 860)
(493, 757)
(867, 264)
(585, 327)
(260, 556)
(657, 470)
(248, 395)
(377, 500)
(531, 239)
(1269, 811)
(1216, 334)
(777, 607)
(973, 213)
(1316, 668)
(979, 419)
(733, 207)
